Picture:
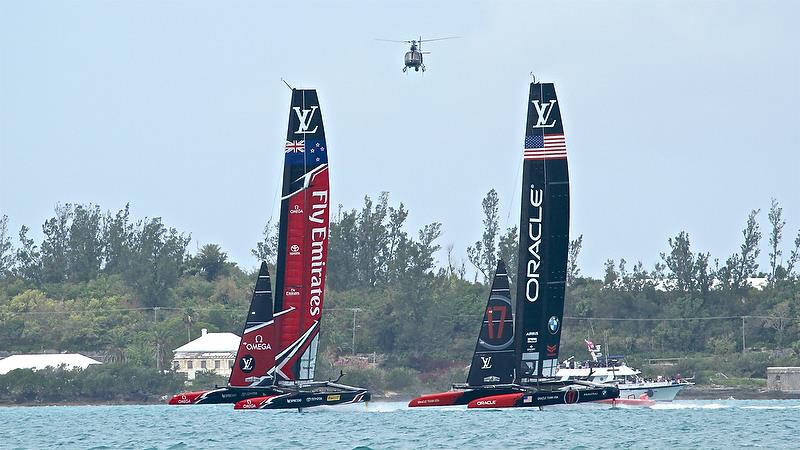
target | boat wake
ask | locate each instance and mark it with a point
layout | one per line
(771, 407)
(676, 405)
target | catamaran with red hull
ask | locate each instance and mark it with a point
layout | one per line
(302, 266)
(276, 361)
(515, 360)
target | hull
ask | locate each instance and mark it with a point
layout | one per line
(458, 397)
(662, 393)
(298, 400)
(217, 396)
(534, 398)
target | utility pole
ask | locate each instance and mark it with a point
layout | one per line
(354, 330)
(744, 344)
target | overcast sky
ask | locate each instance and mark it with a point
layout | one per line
(678, 115)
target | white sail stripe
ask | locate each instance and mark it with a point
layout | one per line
(292, 349)
(262, 325)
(257, 327)
(263, 292)
(308, 177)
(280, 313)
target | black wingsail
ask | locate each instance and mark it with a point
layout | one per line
(493, 360)
(544, 237)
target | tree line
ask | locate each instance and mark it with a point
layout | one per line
(128, 288)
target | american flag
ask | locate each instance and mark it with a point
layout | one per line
(549, 146)
(295, 146)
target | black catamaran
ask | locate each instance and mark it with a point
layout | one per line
(515, 366)
(276, 360)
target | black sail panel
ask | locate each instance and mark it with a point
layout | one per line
(544, 237)
(493, 360)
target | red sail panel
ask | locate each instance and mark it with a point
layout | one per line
(302, 239)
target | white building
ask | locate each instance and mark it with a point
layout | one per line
(212, 352)
(36, 362)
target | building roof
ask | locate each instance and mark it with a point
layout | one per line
(36, 362)
(211, 343)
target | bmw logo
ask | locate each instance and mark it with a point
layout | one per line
(553, 325)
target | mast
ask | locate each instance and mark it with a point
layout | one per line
(544, 238)
(302, 238)
(493, 359)
(255, 358)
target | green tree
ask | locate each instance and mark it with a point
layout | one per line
(156, 262)
(85, 247)
(28, 259)
(508, 251)
(742, 265)
(573, 271)
(211, 261)
(55, 247)
(117, 233)
(777, 222)
(483, 253)
(267, 248)
(6, 249)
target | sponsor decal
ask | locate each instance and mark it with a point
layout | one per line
(294, 250)
(486, 402)
(247, 363)
(319, 234)
(430, 400)
(293, 400)
(533, 340)
(534, 260)
(552, 349)
(292, 292)
(305, 119)
(543, 110)
(334, 398)
(491, 379)
(486, 362)
(183, 400)
(259, 344)
(571, 396)
(296, 209)
(553, 325)
(314, 399)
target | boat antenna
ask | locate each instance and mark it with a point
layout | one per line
(287, 84)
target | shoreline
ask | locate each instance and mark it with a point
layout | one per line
(705, 392)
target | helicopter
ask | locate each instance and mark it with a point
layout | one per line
(413, 58)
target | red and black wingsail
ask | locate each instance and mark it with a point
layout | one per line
(493, 360)
(303, 239)
(255, 358)
(544, 237)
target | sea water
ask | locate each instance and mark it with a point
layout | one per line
(679, 424)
